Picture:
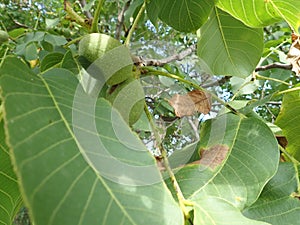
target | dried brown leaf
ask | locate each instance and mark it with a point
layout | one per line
(213, 156)
(293, 55)
(193, 101)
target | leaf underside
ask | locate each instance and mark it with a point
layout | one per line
(228, 47)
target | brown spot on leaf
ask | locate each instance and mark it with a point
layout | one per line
(213, 156)
(193, 101)
(293, 55)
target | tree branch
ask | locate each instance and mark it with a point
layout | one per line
(16, 22)
(121, 19)
(86, 13)
(74, 16)
(219, 82)
(139, 61)
(274, 65)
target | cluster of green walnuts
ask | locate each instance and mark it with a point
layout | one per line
(124, 91)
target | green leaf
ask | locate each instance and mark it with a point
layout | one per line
(152, 8)
(66, 178)
(34, 37)
(236, 104)
(249, 166)
(47, 46)
(133, 9)
(228, 47)
(51, 60)
(31, 52)
(258, 13)
(69, 63)
(55, 39)
(242, 86)
(10, 197)
(50, 23)
(15, 33)
(289, 121)
(184, 15)
(248, 109)
(239, 176)
(212, 210)
(183, 156)
(232, 182)
(276, 204)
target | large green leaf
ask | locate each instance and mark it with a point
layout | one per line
(10, 197)
(57, 164)
(183, 15)
(239, 176)
(210, 210)
(228, 47)
(249, 165)
(219, 195)
(289, 121)
(276, 204)
(259, 13)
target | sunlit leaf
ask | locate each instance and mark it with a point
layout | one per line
(289, 121)
(259, 13)
(228, 47)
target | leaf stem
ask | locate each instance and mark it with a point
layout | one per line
(135, 23)
(293, 160)
(288, 90)
(74, 16)
(1, 111)
(182, 201)
(240, 88)
(3, 57)
(73, 41)
(152, 71)
(94, 28)
(37, 21)
(260, 77)
(153, 126)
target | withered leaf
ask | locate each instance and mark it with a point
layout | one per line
(213, 156)
(293, 55)
(193, 101)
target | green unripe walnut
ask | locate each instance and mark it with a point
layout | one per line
(94, 46)
(128, 99)
(3, 36)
